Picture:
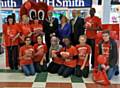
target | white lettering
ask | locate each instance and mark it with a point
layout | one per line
(58, 3)
(65, 3)
(51, 2)
(8, 3)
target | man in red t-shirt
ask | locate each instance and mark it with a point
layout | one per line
(108, 48)
(84, 50)
(92, 25)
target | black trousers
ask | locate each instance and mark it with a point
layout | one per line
(40, 68)
(65, 71)
(53, 67)
(47, 40)
(91, 42)
(80, 73)
(13, 55)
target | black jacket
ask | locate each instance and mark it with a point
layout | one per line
(113, 54)
(48, 29)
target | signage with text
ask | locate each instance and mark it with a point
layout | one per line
(10, 3)
(68, 3)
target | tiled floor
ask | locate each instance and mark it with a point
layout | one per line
(16, 79)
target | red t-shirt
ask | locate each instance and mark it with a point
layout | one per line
(93, 22)
(82, 51)
(57, 60)
(25, 29)
(70, 62)
(106, 50)
(43, 50)
(29, 52)
(10, 31)
(37, 29)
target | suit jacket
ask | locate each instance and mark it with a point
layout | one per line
(77, 29)
(50, 29)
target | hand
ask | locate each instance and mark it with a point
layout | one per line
(13, 39)
(30, 34)
(103, 66)
(107, 67)
(82, 68)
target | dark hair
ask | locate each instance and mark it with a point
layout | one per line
(93, 9)
(61, 16)
(10, 16)
(40, 36)
(27, 37)
(106, 31)
(13, 14)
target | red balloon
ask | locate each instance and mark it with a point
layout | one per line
(50, 8)
(101, 59)
(27, 5)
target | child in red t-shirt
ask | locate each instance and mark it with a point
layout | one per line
(40, 55)
(55, 55)
(26, 56)
(84, 50)
(68, 54)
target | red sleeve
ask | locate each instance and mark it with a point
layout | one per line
(45, 48)
(88, 49)
(35, 47)
(4, 26)
(21, 51)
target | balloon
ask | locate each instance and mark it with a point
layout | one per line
(101, 59)
(50, 8)
(27, 5)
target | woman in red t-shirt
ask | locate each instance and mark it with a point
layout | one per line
(40, 55)
(55, 55)
(26, 57)
(37, 30)
(25, 28)
(84, 50)
(68, 54)
(11, 33)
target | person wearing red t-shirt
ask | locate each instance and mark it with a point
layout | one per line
(37, 30)
(68, 54)
(40, 55)
(25, 28)
(11, 33)
(92, 25)
(55, 55)
(108, 48)
(84, 50)
(26, 57)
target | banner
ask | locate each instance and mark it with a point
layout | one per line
(10, 3)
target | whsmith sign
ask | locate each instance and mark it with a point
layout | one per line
(68, 3)
(54, 3)
(10, 3)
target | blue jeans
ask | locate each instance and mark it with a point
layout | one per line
(28, 69)
(111, 72)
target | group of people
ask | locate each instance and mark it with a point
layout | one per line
(69, 44)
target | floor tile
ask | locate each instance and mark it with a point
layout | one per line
(56, 78)
(115, 80)
(89, 79)
(15, 84)
(39, 85)
(58, 85)
(78, 85)
(15, 77)
(41, 77)
(93, 85)
(76, 79)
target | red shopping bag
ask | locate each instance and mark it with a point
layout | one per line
(100, 76)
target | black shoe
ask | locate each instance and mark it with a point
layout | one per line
(116, 73)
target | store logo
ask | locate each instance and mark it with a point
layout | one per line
(10, 3)
(66, 3)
